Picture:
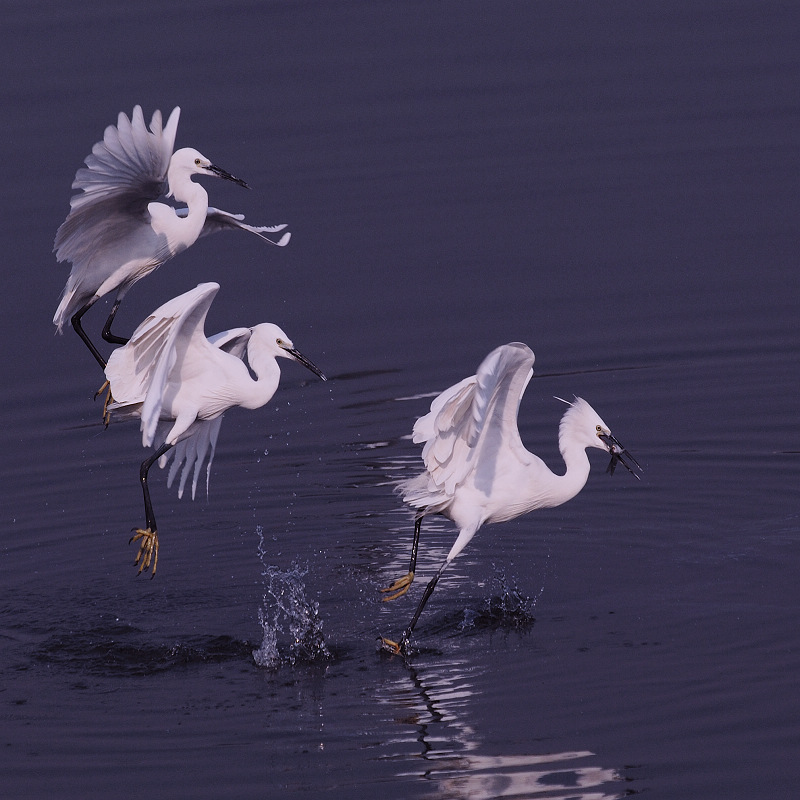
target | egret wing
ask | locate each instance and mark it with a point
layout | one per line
(139, 371)
(188, 454)
(477, 414)
(233, 341)
(123, 173)
(218, 220)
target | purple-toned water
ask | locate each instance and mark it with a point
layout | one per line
(615, 184)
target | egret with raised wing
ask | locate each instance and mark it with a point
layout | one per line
(117, 233)
(477, 471)
(179, 383)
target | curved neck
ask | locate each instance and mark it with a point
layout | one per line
(577, 463)
(181, 231)
(268, 375)
(549, 490)
(185, 190)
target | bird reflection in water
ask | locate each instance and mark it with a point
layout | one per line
(434, 703)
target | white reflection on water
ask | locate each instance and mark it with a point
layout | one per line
(551, 776)
(434, 702)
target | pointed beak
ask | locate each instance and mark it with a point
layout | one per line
(298, 356)
(220, 173)
(619, 455)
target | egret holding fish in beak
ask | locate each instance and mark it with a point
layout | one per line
(477, 471)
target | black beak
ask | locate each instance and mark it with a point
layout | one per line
(619, 455)
(220, 173)
(298, 356)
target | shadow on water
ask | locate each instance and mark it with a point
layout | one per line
(118, 649)
(432, 708)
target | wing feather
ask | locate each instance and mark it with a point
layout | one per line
(139, 371)
(475, 414)
(123, 173)
(233, 341)
(190, 453)
(218, 220)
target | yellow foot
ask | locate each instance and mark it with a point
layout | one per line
(388, 646)
(399, 587)
(106, 387)
(148, 550)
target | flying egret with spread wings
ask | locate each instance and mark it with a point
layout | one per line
(477, 471)
(117, 232)
(178, 383)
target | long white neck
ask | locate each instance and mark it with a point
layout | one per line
(268, 375)
(185, 190)
(547, 489)
(181, 232)
(576, 475)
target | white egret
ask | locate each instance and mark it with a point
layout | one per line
(190, 453)
(169, 372)
(477, 471)
(116, 232)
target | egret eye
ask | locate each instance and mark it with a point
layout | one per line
(280, 342)
(197, 162)
(599, 428)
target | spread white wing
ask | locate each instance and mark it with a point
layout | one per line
(139, 372)
(107, 225)
(218, 220)
(190, 452)
(469, 421)
(124, 172)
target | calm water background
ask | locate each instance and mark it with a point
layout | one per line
(614, 184)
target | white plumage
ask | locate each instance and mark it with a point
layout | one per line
(477, 470)
(117, 233)
(179, 383)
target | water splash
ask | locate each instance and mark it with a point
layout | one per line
(291, 625)
(505, 608)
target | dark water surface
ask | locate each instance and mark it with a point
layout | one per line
(615, 184)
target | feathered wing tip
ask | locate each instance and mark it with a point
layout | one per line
(219, 220)
(188, 455)
(126, 158)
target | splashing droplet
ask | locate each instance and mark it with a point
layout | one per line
(291, 625)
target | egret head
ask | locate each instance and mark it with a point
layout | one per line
(582, 424)
(271, 338)
(187, 162)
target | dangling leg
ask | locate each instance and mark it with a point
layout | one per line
(400, 586)
(149, 548)
(76, 324)
(107, 335)
(401, 646)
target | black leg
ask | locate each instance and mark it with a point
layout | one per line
(399, 587)
(403, 643)
(107, 335)
(76, 324)
(149, 535)
(149, 517)
(401, 646)
(412, 567)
